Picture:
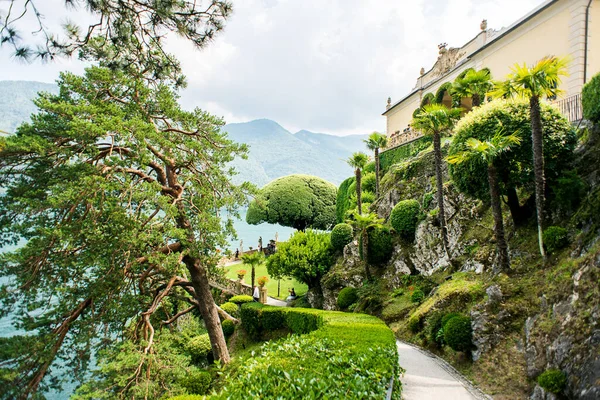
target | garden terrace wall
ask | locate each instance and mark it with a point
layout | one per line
(401, 153)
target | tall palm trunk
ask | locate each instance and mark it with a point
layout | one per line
(253, 276)
(538, 165)
(208, 309)
(503, 259)
(358, 190)
(365, 249)
(376, 172)
(476, 100)
(437, 150)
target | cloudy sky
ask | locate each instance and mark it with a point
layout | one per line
(321, 65)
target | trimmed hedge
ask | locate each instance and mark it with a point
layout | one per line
(553, 381)
(228, 327)
(344, 356)
(458, 333)
(341, 235)
(555, 238)
(405, 217)
(399, 154)
(590, 99)
(380, 246)
(230, 308)
(257, 319)
(342, 204)
(241, 299)
(346, 297)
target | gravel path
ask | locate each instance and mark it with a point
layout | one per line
(274, 302)
(429, 378)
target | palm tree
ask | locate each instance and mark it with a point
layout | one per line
(254, 260)
(535, 82)
(489, 150)
(374, 142)
(361, 223)
(475, 84)
(358, 161)
(435, 120)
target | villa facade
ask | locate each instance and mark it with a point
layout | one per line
(556, 28)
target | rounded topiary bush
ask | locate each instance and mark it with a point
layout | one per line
(199, 347)
(230, 308)
(197, 382)
(228, 327)
(555, 238)
(380, 246)
(553, 380)
(448, 317)
(590, 99)
(347, 297)
(417, 296)
(458, 333)
(241, 299)
(341, 235)
(405, 217)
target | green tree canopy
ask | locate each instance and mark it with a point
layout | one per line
(115, 191)
(298, 201)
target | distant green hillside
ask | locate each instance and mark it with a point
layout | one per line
(274, 151)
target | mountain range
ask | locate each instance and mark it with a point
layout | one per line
(274, 151)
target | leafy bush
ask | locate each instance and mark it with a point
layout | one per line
(380, 246)
(448, 317)
(199, 347)
(357, 349)
(300, 302)
(568, 191)
(347, 297)
(367, 197)
(228, 327)
(405, 217)
(555, 238)
(230, 308)
(250, 316)
(590, 99)
(433, 328)
(257, 319)
(188, 397)
(368, 182)
(415, 323)
(241, 299)
(369, 167)
(552, 380)
(197, 382)
(370, 297)
(341, 235)
(417, 296)
(458, 333)
(297, 201)
(342, 204)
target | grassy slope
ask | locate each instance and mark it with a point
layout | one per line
(286, 283)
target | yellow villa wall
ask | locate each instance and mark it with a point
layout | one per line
(400, 117)
(594, 41)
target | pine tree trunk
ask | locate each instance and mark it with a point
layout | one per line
(437, 150)
(358, 190)
(538, 166)
(208, 309)
(376, 172)
(503, 259)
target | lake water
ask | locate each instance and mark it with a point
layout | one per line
(248, 233)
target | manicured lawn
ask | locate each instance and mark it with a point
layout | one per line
(271, 286)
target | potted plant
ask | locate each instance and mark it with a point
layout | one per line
(241, 273)
(262, 281)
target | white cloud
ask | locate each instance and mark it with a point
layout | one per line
(320, 65)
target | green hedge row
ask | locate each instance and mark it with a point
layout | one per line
(343, 199)
(399, 154)
(350, 356)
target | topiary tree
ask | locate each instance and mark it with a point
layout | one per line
(228, 327)
(343, 203)
(405, 217)
(375, 142)
(380, 244)
(534, 83)
(514, 167)
(341, 235)
(347, 297)
(590, 99)
(458, 333)
(298, 201)
(307, 257)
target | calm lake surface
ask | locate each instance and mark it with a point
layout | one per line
(248, 233)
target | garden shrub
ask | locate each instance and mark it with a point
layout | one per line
(590, 99)
(555, 238)
(188, 397)
(257, 319)
(433, 328)
(405, 217)
(417, 296)
(300, 302)
(396, 155)
(342, 204)
(341, 235)
(415, 323)
(458, 333)
(197, 382)
(272, 319)
(552, 380)
(199, 347)
(250, 316)
(448, 317)
(568, 191)
(228, 327)
(358, 350)
(380, 246)
(368, 182)
(347, 297)
(241, 299)
(369, 167)
(303, 321)
(230, 308)
(367, 197)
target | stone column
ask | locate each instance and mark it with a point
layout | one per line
(263, 295)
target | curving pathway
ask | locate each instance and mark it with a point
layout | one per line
(429, 378)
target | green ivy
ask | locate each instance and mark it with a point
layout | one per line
(590, 99)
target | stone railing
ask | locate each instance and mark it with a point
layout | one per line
(230, 285)
(570, 107)
(400, 138)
